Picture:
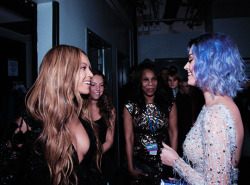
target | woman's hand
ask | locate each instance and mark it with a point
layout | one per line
(137, 174)
(168, 155)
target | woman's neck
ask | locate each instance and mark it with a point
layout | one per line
(74, 121)
(211, 99)
(95, 111)
(94, 102)
(149, 99)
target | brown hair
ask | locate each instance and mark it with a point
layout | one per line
(176, 76)
(104, 103)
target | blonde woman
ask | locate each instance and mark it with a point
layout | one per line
(54, 139)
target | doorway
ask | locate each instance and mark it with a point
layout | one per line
(100, 56)
(18, 59)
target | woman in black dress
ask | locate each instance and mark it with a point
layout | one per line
(103, 114)
(54, 141)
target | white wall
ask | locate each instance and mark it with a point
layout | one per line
(238, 29)
(175, 45)
(74, 18)
(44, 30)
(164, 46)
(95, 15)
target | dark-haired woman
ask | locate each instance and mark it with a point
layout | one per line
(103, 114)
(149, 118)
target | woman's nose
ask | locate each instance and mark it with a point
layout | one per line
(150, 82)
(186, 67)
(90, 73)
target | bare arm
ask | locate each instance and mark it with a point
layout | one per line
(129, 139)
(173, 127)
(110, 133)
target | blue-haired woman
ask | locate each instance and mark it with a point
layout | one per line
(212, 148)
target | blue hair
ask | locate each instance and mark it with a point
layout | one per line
(218, 65)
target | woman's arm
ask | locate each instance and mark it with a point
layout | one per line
(170, 157)
(173, 127)
(218, 143)
(110, 133)
(129, 137)
(129, 142)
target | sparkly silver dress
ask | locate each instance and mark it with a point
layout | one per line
(208, 149)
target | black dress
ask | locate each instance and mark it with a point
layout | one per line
(27, 167)
(108, 157)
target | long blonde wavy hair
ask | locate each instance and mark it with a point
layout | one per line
(53, 100)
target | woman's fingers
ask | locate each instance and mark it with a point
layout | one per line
(137, 174)
(168, 155)
(165, 145)
(144, 174)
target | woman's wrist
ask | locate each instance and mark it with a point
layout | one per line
(131, 168)
(175, 161)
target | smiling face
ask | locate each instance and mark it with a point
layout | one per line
(149, 82)
(190, 69)
(85, 75)
(97, 87)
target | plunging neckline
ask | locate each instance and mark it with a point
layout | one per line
(88, 129)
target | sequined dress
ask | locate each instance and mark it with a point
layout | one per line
(144, 136)
(208, 149)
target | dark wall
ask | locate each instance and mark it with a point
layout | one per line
(11, 99)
